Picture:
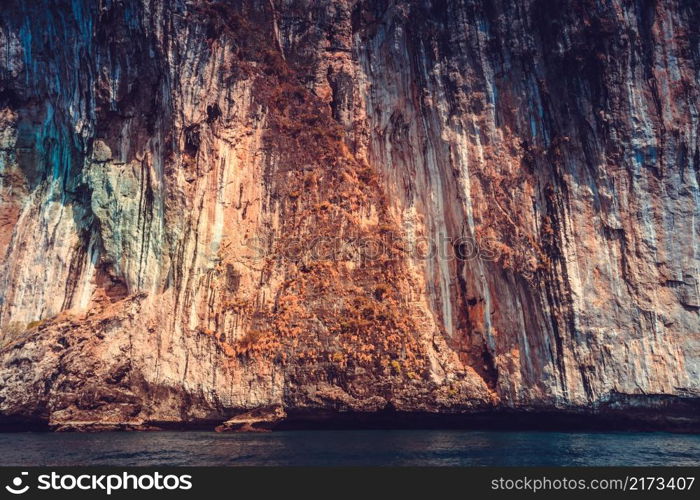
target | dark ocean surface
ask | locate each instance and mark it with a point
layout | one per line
(351, 447)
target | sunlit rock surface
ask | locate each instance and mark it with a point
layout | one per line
(435, 207)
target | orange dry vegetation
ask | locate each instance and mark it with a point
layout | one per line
(325, 312)
(504, 215)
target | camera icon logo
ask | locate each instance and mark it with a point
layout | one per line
(16, 488)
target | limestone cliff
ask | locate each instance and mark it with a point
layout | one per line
(214, 207)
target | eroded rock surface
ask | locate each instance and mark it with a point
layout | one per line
(425, 206)
(257, 420)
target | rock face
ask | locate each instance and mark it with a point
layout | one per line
(427, 206)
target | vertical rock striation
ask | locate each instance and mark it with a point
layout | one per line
(428, 206)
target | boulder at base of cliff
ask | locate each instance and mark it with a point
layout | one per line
(257, 420)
